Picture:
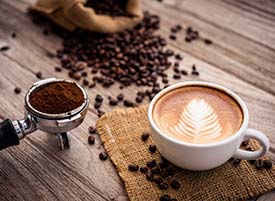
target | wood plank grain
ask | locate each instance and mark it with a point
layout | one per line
(37, 170)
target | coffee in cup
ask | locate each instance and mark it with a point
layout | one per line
(198, 114)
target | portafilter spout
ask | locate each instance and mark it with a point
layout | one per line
(11, 132)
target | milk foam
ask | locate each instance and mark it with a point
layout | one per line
(198, 121)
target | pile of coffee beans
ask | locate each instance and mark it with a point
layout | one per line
(108, 7)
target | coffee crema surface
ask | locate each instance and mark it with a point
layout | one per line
(198, 114)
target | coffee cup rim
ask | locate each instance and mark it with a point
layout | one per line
(199, 83)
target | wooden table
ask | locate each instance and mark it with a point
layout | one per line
(242, 58)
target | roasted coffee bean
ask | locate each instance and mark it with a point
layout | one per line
(178, 57)
(133, 167)
(100, 113)
(164, 173)
(38, 75)
(173, 37)
(92, 130)
(165, 198)
(103, 156)
(170, 171)
(176, 69)
(174, 30)
(183, 72)
(4, 48)
(17, 90)
(176, 64)
(165, 80)
(187, 39)
(178, 27)
(112, 102)
(158, 180)
(174, 199)
(91, 139)
(84, 74)
(57, 69)
(236, 161)
(97, 105)
(143, 169)
(267, 164)
(259, 164)
(195, 73)
(149, 176)
(155, 170)
(128, 103)
(13, 35)
(163, 186)
(175, 184)
(139, 99)
(120, 97)
(245, 143)
(152, 148)
(194, 67)
(189, 30)
(151, 163)
(85, 82)
(145, 136)
(162, 163)
(99, 98)
(208, 41)
(176, 76)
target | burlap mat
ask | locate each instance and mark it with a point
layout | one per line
(121, 132)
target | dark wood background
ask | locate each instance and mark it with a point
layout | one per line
(242, 58)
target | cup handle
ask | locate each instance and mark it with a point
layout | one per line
(249, 155)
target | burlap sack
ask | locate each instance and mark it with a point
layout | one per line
(71, 14)
(121, 131)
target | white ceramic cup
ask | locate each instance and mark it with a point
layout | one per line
(206, 156)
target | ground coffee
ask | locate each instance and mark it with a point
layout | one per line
(57, 98)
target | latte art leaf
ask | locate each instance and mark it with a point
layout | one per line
(198, 122)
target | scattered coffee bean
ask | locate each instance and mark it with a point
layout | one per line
(145, 136)
(4, 48)
(163, 186)
(13, 35)
(163, 163)
(195, 73)
(158, 180)
(178, 57)
(103, 156)
(208, 41)
(17, 90)
(128, 103)
(259, 164)
(173, 37)
(267, 164)
(165, 198)
(178, 27)
(97, 105)
(176, 76)
(175, 184)
(139, 99)
(194, 67)
(91, 139)
(152, 148)
(183, 72)
(151, 163)
(164, 173)
(170, 171)
(85, 82)
(143, 169)
(133, 167)
(99, 98)
(149, 176)
(100, 113)
(155, 170)
(92, 130)
(173, 30)
(57, 69)
(120, 97)
(165, 80)
(112, 102)
(84, 74)
(236, 161)
(92, 84)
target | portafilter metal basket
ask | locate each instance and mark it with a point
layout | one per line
(11, 132)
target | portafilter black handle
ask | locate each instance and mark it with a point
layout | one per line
(8, 134)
